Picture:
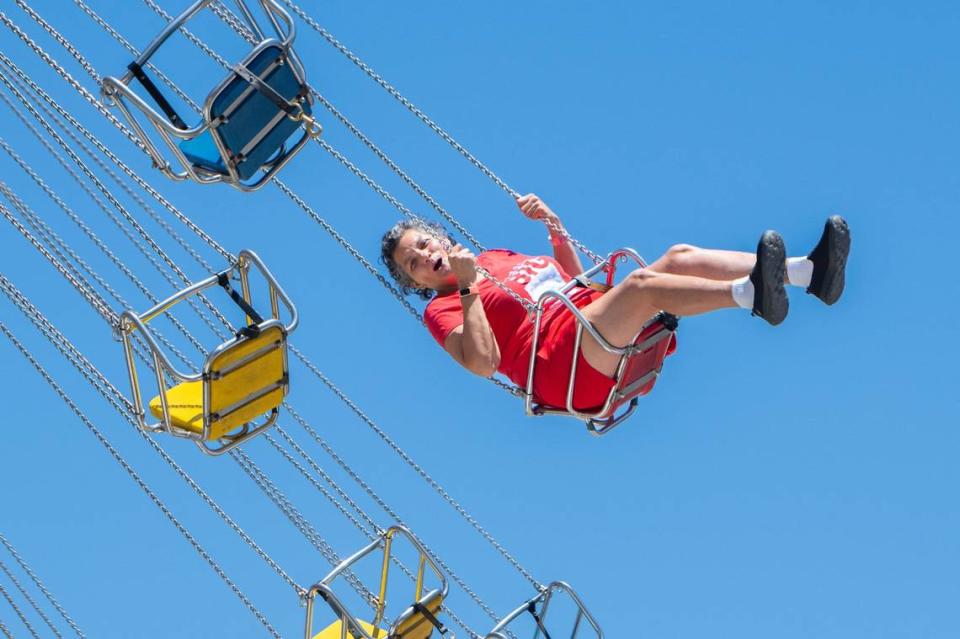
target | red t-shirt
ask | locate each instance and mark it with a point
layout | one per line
(512, 327)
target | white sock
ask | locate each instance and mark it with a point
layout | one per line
(799, 271)
(743, 292)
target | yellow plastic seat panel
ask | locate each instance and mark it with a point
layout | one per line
(232, 387)
(186, 406)
(333, 631)
(417, 626)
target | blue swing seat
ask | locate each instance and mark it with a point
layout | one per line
(249, 126)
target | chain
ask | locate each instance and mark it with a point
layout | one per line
(6, 631)
(141, 483)
(92, 100)
(115, 397)
(413, 464)
(30, 600)
(16, 608)
(40, 586)
(116, 204)
(97, 302)
(463, 512)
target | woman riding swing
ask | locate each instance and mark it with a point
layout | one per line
(485, 329)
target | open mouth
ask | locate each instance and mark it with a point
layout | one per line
(438, 264)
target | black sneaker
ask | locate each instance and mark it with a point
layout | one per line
(829, 259)
(770, 297)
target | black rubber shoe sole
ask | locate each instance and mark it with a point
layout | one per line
(770, 297)
(829, 259)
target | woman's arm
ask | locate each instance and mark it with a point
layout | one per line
(472, 344)
(563, 251)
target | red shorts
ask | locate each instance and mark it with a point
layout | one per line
(554, 358)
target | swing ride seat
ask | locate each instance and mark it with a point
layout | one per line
(640, 362)
(248, 119)
(242, 380)
(335, 631)
(411, 624)
(539, 608)
(248, 131)
(417, 621)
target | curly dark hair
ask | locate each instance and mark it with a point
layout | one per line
(388, 244)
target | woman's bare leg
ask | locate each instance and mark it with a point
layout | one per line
(712, 264)
(621, 313)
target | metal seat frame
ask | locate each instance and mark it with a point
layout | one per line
(131, 322)
(543, 599)
(603, 420)
(325, 591)
(117, 92)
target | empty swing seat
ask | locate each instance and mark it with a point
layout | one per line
(242, 380)
(413, 623)
(251, 128)
(334, 631)
(253, 122)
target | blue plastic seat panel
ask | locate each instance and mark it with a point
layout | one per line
(248, 114)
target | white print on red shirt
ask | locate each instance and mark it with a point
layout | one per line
(537, 275)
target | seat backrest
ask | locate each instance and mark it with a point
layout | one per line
(413, 623)
(246, 378)
(642, 367)
(253, 128)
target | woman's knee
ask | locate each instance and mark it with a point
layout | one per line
(641, 278)
(678, 259)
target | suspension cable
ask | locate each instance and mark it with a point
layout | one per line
(30, 600)
(118, 400)
(13, 604)
(140, 482)
(106, 191)
(40, 586)
(460, 509)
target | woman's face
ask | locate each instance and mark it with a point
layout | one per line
(423, 257)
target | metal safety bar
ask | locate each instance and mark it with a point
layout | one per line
(601, 421)
(131, 322)
(543, 599)
(348, 621)
(117, 92)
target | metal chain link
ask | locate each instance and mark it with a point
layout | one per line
(30, 600)
(6, 631)
(97, 302)
(300, 522)
(13, 604)
(117, 400)
(92, 100)
(40, 586)
(112, 199)
(16, 609)
(413, 464)
(54, 241)
(141, 483)
(399, 97)
(353, 168)
(8, 25)
(430, 123)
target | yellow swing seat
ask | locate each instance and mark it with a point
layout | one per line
(243, 379)
(333, 631)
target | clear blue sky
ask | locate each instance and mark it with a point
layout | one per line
(795, 482)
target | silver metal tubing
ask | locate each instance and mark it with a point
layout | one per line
(600, 422)
(207, 448)
(386, 541)
(544, 597)
(168, 30)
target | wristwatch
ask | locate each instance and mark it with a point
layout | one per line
(469, 290)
